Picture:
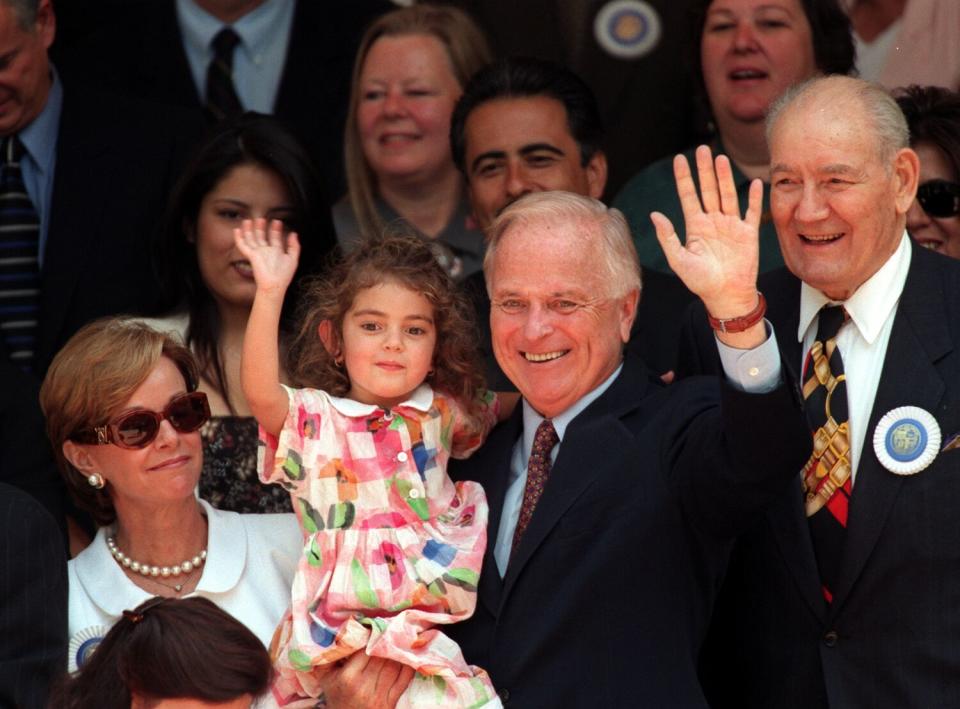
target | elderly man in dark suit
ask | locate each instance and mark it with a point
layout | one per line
(612, 496)
(845, 594)
(84, 179)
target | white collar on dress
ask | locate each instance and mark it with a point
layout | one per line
(421, 399)
(110, 589)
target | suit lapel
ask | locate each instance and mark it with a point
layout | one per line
(597, 428)
(919, 338)
(786, 517)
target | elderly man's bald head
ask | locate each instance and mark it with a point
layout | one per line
(842, 93)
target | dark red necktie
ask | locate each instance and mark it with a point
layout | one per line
(538, 470)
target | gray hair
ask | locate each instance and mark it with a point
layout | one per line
(25, 11)
(618, 256)
(889, 124)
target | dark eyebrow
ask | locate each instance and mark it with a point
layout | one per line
(489, 155)
(524, 151)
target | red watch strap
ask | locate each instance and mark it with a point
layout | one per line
(744, 322)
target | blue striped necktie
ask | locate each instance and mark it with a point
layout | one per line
(19, 264)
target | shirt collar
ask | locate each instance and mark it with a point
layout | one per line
(532, 419)
(39, 138)
(199, 27)
(871, 304)
(421, 399)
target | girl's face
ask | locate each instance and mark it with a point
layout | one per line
(245, 192)
(942, 233)
(388, 342)
(407, 94)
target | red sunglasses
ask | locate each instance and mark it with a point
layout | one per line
(137, 428)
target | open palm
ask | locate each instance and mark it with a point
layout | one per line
(720, 259)
(272, 257)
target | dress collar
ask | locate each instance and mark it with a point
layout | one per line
(421, 400)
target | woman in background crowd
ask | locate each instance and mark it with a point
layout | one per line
(748, 52)
(252, 168)
(933, 114)
(123, 415)
(169, 649)
(410, 70)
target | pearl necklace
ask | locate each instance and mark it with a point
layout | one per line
(184, 567)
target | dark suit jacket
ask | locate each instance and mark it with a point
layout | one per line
(654, 336)
(607, 598)
(139, 53)
(116, 161)
(33, 601)
(891, 638)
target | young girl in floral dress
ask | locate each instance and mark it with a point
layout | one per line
(392, 546)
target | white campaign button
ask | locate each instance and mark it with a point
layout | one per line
(402, 456)
(627, 29)
(414, 494)
(906, 440)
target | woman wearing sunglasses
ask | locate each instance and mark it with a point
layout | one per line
(123, 414)
(933, 114)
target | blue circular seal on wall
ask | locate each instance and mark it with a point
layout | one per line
(906, 440)
(627, 29)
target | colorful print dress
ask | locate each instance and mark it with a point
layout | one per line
(392, 548)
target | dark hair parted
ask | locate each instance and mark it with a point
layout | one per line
(251, 139)
(90, 380)
(169, 648)
(527, 77)
(933, 115)
(406, 260)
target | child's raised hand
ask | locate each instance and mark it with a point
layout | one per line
(273, 262)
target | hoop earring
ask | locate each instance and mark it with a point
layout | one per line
(96, 481)
(338, 362)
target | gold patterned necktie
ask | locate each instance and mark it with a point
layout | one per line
(826, 476)
(222, 101)
(538, 470)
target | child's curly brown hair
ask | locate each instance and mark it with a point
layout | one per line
(407, 260)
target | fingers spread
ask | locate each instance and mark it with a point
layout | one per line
(727, 189)
(755, 204)
(686, 190)
(709, 193)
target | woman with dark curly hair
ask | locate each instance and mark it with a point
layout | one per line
(933, 115)
(393, 545)
(252, 167)
(170, 649)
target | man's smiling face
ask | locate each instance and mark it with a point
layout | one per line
(557, 331)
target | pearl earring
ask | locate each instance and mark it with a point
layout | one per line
(96, 481)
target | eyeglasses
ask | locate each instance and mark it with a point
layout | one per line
(138, 428)
(939, 198)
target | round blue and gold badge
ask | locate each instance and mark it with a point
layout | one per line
(82, 646)
(627, 29)
(906, 440)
